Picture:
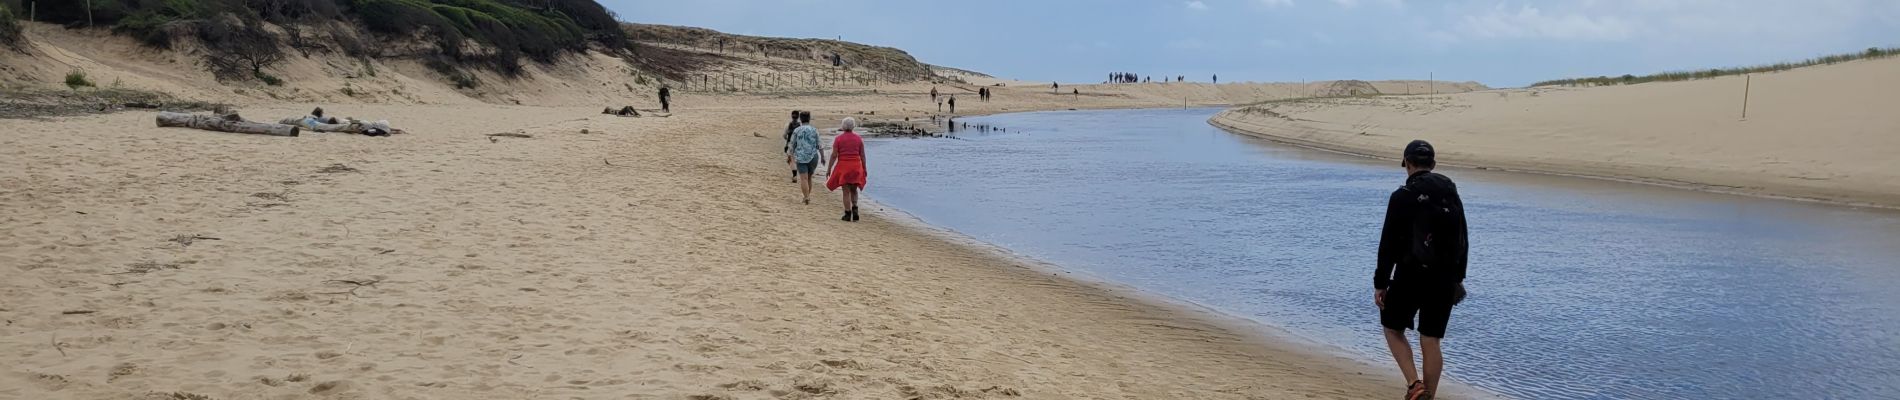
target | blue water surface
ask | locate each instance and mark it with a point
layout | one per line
(1581, 289)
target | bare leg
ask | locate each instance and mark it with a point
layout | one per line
(846, 197)
(804, 185)
(1401, 351)
(1428, 348)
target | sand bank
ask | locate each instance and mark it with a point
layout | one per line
(1819, 133)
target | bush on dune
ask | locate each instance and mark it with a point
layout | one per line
(1871, 53)
(505, 30)
(9, 28)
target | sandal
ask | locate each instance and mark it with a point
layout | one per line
(1417, 391)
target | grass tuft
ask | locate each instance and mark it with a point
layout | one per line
(77, 79)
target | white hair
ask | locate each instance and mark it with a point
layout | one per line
(850, 124)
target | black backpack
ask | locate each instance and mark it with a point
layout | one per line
(1438, 231)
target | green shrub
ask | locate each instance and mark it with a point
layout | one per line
(77, 79)
(269, 79)
(1871, 53)
(9, 28)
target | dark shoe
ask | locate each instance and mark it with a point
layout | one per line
(1417, 391)
(847, 217)
(854, 214)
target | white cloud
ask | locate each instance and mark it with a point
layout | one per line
(1196, 5)
(1277, 3)
(1529, 22)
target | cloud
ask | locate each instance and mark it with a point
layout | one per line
(1529, 22)
(1277, 3)
(1197, 5)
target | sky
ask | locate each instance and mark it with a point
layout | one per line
(1499, 43)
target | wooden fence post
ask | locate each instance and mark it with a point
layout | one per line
(1747, 82)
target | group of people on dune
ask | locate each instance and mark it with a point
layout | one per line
(845, 169)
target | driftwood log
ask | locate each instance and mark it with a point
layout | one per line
(228, 123)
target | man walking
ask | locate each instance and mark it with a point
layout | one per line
(1421, 271)
(953, 104)
(666, 99)
(789, 128)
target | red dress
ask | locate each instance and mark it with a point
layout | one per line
(850, 169)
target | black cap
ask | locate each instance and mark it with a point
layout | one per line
(1420, 152)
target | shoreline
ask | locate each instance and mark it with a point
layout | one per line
(1811, 134)
(1263, 333)
(1231, 124)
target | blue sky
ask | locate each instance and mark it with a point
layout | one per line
(1500, 43)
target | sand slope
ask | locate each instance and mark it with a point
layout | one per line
(1824, 133)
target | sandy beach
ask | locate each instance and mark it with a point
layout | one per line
(1816, 133)
(663, 257)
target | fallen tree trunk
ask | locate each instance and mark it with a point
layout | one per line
(228, 123)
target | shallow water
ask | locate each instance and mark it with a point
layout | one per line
(1579, 288)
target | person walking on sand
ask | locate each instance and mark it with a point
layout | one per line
(933, 93)
(1421, 271)
(953, 104)
(666, 99)
(847, 168)
(788, 145)
(805, 153)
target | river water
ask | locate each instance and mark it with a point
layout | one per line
(1580, 288)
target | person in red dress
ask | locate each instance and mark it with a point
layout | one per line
(847, 167)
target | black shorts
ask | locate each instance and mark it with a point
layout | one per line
(1431, 304)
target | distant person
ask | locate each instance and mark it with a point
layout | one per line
(953, 104)
(666, 99)
(788, 144)
(933, 93)
(1078, 93)
(1055, 87)
(806, 154)
(939, 106)
(847, 169)
(1217, 79)
(1421, 269)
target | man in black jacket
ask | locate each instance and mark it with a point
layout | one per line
(1421, 271)
(788, 145)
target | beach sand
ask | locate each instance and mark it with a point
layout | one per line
(600, 257)
(644, 258)
(1821, 133)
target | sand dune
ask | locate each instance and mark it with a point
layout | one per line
(1823, 133)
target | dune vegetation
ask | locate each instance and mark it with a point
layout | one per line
(1870, 53)
(243, 39)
